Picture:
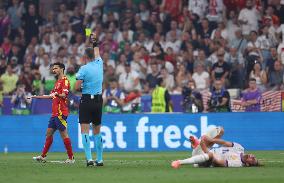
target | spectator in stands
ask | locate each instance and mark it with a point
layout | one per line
(21, 105)
(220, 98)
(3, 64)
(264, 42)
(253, 53)
(168, 79)
(37, 86)
(270, 62)
(198, 7)
(9, 80)
(4, 24)
(221, 69)
(182, 78)
(260, 76)
(16, 12)
(152, 78)
(215, 11)
(237, 65)
(251, 97)
(139, 65)
(171, 8)
(113, 98)
(239, 42)
(161, 99)
(129, 80)
(201, 60)
(276, 77)
(248, 18)
(232, 25)
(201, 77)
(192, 99)
(31, 23)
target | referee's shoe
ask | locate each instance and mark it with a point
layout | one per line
(90, 163)
(99, 163)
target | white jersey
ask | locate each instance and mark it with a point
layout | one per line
(232, 155)
(211, 133)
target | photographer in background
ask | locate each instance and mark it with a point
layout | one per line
(192, 99)
(21, 103)
(220, 98)
(113, 98)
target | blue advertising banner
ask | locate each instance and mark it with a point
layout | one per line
(148, 132)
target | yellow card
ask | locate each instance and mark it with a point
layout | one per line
(88, 31)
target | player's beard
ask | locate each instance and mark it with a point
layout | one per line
(56, 76)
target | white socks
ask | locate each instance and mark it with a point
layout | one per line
(195, 159)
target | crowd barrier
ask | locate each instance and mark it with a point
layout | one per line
(148, 132)
(271, 101)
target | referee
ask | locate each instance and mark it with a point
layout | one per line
(90, 80)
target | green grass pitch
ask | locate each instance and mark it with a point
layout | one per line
(137, 167)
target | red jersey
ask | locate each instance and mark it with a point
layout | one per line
(59, 104)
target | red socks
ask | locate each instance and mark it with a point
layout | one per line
(68, 147)
(48, 142)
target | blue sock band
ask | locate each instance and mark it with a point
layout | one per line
(86, 144)
(99, 147)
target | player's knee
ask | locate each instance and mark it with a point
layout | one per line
(221, 133)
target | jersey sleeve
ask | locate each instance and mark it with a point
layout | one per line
(65, 86)
(80, 74)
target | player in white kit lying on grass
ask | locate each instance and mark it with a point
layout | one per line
(229, 155)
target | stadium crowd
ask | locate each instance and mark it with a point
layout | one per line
(182, 41)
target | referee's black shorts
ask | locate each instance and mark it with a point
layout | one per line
(90, 109)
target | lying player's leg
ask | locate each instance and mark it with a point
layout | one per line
(212, 133)
(198, 159)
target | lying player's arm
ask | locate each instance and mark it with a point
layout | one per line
(207, 141)
(222, 142)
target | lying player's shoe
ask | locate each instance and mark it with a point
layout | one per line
(194, 142)
(99, 163)
(71, 161)
(175, 164)
(90, 163)
(40, 159)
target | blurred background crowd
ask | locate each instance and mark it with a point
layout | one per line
(191, 44)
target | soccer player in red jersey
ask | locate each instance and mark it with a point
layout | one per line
(59, 113)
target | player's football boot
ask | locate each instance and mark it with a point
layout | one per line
(194, 142)
(90, 163)
(99, 163)
(71, 161)
(175, 164)
(40, 159)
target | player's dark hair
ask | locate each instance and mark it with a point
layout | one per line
(89, 52)
(61, 65)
